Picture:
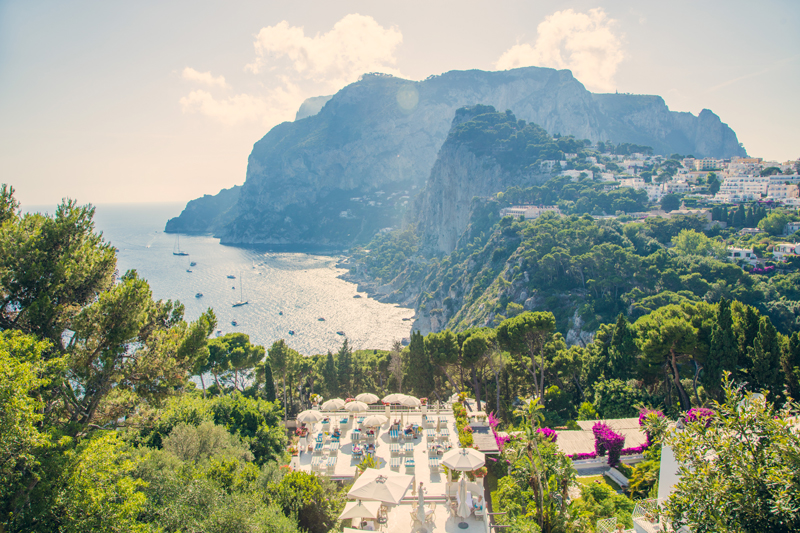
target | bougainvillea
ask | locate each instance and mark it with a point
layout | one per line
(643, 414)
(582, 456)
(700, 414)
(548, 433)
(606, 440)
(500, 440)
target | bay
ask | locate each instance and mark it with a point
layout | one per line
(286, 291)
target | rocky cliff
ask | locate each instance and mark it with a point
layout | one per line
(207, 214)
(336, 177)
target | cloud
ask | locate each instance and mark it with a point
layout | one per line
(581, 42)
(204, 77)
(355, 45)
(289, 67)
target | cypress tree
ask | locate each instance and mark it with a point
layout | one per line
(765, 357)
(790, 361)
(723, 353)
(269, 382)
(622, 351)
(330, 377)
(419, 372)
(746, 340)
(344, 364)
(750, 219)
(739, 217)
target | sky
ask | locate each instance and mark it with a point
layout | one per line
(157, 101)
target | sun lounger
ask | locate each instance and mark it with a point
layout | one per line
(320, 437)
(361, 419)
(430, 433)
(393, 434)
(318, 447)
(433, 462)
(356, 436)
(331, 463)
(394, 462)
(444, 433)
(316, 461)
(409, 447)
(409, 462)
(394, 447)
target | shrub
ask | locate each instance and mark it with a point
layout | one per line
(607, 441)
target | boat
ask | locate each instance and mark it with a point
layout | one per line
(291, 332)
(219, 333)
(176, 250)
(231, 276)
(340, 333)
(321, 319)
(280, 313)
(192, 264)
(189, 270)
(357, 296)
(198, 295)
(241, 301)
(234, 323)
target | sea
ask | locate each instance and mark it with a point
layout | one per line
(294, 296)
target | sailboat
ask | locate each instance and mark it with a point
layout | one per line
(241, 301)
(176, 250)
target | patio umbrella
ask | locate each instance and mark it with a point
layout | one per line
(310, 416)
(375, 420)
(410, 401)
(393, 398)
(356, 407)
(463, 509)
(381, 486)
(359, 509)
(421, 505)
(333, 405)
(367, 397)
(464, 459)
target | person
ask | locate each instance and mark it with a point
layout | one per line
(367, 526)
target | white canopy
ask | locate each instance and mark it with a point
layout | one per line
(356, 407)
(393, 398)
(310, 416)
(464, 459)
(367, 397)
(381, 486)
(333, 404)
(410, 401)
(463, 507)
(359, 509)
(375, 420)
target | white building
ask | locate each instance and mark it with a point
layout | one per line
(742, 254)
(742, 188)
(676, 187)
(791, 227)
(707, 164)
(576, 174)
(779, 251)
(528, 212)
(782, 191)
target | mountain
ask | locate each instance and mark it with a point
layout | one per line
(337, 177)
(207, 214)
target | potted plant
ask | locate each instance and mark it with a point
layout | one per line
(315, 399)
(423, 401)
(293, 451)
(480, 472)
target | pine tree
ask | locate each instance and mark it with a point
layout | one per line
(723, 353)
(765, 357)
(746, 340)
(622, 352)
(329, 376)
(344, 364)
(790, 361)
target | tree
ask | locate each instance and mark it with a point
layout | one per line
(344, 365)
(264, 375)
(279, 356)
(774, 223)
(234, 353)
(442, 349)
(670, 202)
(315, 504)
(476, 348)
(528, 334)
(741, 472)
(330, 377)
(97, 492)
(419, 377)
(713, 183)
(396, 365)
(765, 355)
(790, 360)
(723, 350)
(690, 242)
(622, 351)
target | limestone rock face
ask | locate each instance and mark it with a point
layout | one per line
(336, 177)
(207, 214)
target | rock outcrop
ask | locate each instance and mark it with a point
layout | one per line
(207, 214)
(336, 177)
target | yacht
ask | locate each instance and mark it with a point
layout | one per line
(198, 295)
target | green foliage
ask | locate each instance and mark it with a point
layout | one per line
(751, 485)
(774, 223)
(306, 497)
(615, 398)
(690, 242)
(598, 501)
(587, 412)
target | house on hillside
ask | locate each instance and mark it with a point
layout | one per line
(742, 254)
(780, 251)
(528, 212)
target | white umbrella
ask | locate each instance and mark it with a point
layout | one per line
(378, 485)
(463, 509)
(367, 397)
(375, 420)
(393, 398)
(410, 401)
(310, 416)
(333, 405)
(359, 509)
(464, 459)
(421, 505)
(356, 407)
